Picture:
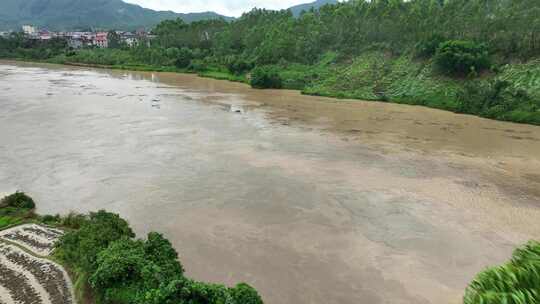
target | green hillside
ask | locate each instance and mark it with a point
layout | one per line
(298, 9)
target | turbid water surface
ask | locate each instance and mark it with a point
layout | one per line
(310, 200)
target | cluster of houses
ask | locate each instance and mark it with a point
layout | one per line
(78, 40)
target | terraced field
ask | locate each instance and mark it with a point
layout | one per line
(26, 275)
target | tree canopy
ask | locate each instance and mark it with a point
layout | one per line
(123, 270)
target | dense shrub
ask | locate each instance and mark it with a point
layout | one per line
(114, 41)
(18, 200)
(128, 268)
(51, 219)
(237, 65)
(81, 247)
(458, 57)
(428, 47)
(184, 290)
(197, 65)
(473, 97)
(183, 58)
(124, 270)
(498, 99)
(517, 282)
(265, 77)
(245, 294)
(74, 220)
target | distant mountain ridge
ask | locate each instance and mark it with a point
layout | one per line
(298, 9)
(78, 14)
(101, 14)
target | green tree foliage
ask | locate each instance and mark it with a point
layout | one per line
(168, 32)
(245, 294)
(18, 46)
(184, 290)
(162, 254)
(462, 57)
(516, 282)
(73, 220)
(183, 58)
(426, 48)
(197, 65)
(119, 266)
(508, 28)
(237, 65)
(499, 99)
(16, 208)
(265, 77)
(114, 41)
(127, 269)
(124, 270)
(18, 200)
(81, 247)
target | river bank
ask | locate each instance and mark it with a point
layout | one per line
(310, 199)
(511, 94)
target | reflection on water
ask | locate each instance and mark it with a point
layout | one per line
(308, 199)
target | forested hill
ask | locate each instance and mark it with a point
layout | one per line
(298, 9)
(77, 14)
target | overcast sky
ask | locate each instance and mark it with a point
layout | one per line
(233, 8)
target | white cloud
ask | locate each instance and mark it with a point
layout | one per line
(225, 7)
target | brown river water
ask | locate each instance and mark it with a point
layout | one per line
(310, 200)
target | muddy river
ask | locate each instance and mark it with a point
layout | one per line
(310, 200)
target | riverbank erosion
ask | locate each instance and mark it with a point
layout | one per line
(310, 199)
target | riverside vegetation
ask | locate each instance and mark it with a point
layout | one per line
(469, 56)
(110, 266)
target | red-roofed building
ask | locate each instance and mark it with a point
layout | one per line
(101, 40)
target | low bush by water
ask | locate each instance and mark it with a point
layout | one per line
(15, 209)
(18, 200)
(266, 77)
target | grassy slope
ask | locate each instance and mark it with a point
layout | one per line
(10, 217)
(8, 221)
(375, 76)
